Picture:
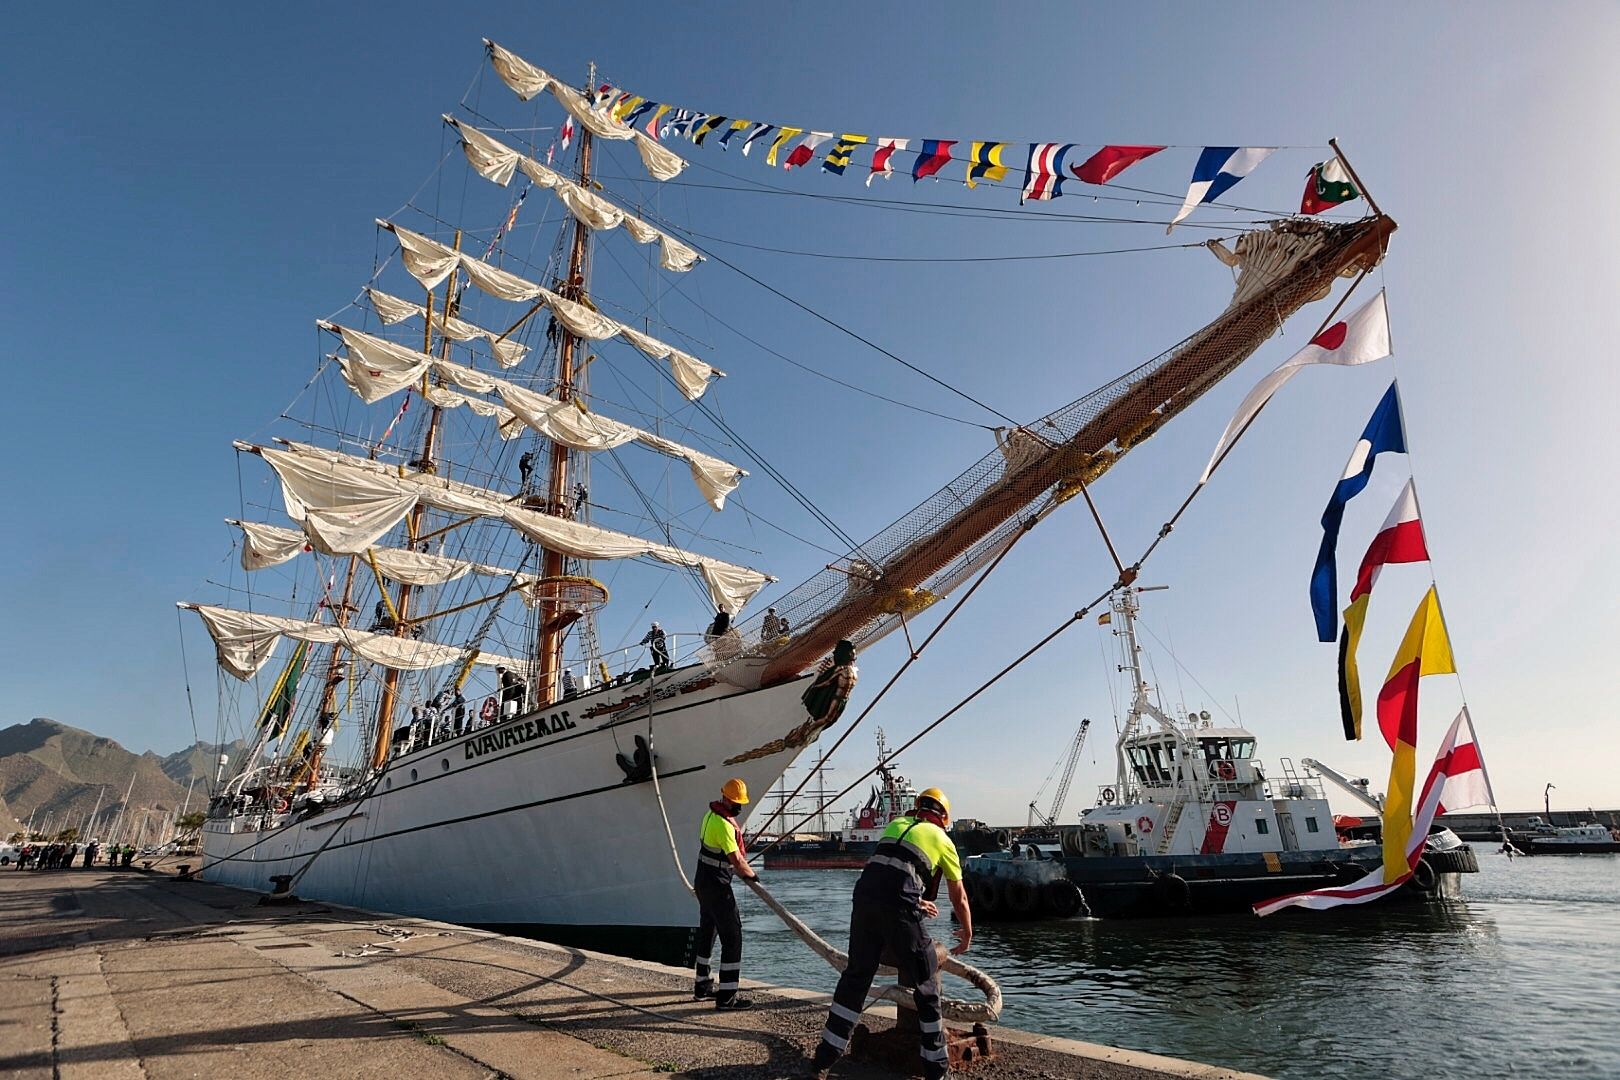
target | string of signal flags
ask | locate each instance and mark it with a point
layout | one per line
(1457, 779)
(1047, 166)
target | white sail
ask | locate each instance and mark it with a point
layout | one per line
(375, 368)
(345, 504)
(496, 162)
(244, 641)
(425, 259)
(271, 545)
(391, 310)
(526, 81)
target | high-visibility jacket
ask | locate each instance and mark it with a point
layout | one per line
(718, 841)
(908, 862)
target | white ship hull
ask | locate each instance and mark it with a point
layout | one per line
(529, 825)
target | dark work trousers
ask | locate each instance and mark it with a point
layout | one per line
(718, 915)
(879, 931)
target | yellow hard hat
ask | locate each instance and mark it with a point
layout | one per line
(937, 796)
(735, 791)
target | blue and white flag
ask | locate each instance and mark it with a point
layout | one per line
(1218, 169)
(1383, 434)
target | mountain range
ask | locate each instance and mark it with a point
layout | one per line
(58, 775)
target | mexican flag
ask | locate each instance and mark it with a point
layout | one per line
(1326, 186)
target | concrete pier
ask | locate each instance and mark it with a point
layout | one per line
(130, 974)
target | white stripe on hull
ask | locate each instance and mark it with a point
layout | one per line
(543, 831)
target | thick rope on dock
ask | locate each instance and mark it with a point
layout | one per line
(950, 1008)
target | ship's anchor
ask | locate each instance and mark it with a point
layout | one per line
(638, 766)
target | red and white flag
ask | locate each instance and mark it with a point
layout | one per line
(880, 158)
(1043, 176)
(567, 132)
(1359, 338)
(1457, 775)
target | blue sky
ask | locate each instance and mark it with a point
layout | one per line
(189, 187)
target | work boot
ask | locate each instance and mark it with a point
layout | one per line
(735, 1004)
(702, 992)
(823, 1060)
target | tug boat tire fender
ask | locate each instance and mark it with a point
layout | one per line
(986, 895)
(1173, 892)
(1063, 898)
(1424, 877)
(1021, 897)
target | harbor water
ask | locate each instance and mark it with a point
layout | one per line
(1520, 979)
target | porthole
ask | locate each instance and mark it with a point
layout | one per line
(444, 764)
(388, 781)
(413, 775)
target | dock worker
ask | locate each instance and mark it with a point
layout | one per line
(894, 894)
(722, 854)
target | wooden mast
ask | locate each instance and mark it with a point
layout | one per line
(326, 715)
(425, 463)
(548, 644)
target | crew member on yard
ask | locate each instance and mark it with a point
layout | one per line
(894, 894)
(722, 853)
(771, 628)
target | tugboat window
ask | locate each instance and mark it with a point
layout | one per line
(1262, 826)
(1310, 825)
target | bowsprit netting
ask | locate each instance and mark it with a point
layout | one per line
(962, 527)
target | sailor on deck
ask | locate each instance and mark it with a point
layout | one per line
(893, 896)
(721, 854)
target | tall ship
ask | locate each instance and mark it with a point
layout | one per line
(439, 724)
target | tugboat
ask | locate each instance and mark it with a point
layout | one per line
(847, 848)
(1194, 825)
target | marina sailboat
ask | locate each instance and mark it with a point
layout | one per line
(438, 725)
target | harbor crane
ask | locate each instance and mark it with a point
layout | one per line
(1050, 817)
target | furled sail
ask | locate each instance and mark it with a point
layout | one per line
(526, 81)
(430, 262)
(346, 504)
(271, 545)
(244, 641)
(375, 368)
(495, 161)
(391, 310)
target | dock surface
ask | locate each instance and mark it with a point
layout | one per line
(117, 974)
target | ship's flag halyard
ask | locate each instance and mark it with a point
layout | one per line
(1219, 168)
(984, 162)
(1383, 434)
(1110, 161)
(1043, 175)
(1455, 776)
(837, 159)
(1326, 186)
(1359, 338)
(880, 159)
(1425, 650)
(1399, 541)
(934, 156)
(806, 149)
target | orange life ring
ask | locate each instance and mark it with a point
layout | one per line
(280, 805)
(1144, 824)
(1226, 770)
